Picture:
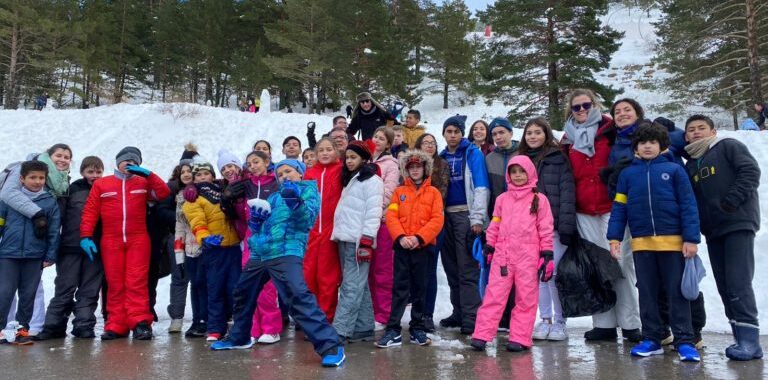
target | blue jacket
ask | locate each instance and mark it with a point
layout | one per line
(286, 231)
(18, 235)
(476, 184)
(656, 199)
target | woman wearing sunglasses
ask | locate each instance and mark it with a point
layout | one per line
(588, 141)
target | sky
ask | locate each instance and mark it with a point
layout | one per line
(476, 5)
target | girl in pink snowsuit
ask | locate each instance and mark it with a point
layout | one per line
(519, 248)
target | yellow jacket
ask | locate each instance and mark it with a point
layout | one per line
(410, 135)
(206, 219)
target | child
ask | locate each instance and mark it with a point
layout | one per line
(322, 270)
(280, 228)
(23, 255)
(309, 158)
(397, 144)
(119, 202)
(414, 219)
(355, 225)
(292, 147)
(519, 250)
(655, 198)
(78, 279)
(230, 166)
(220, 244)
(413, 130)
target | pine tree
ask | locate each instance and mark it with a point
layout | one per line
(542, 50)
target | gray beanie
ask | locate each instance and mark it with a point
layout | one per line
(129, 153)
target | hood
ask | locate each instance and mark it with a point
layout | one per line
(527, 165)
(464, 144)
(418, 127)
(406, 156)
(263, 179)
(386, 156)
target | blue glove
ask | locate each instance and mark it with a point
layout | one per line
(213, 241)
(291, 195)
(258, 216)
(138, 170)
(89, 247)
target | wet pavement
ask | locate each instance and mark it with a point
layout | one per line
(450, 357)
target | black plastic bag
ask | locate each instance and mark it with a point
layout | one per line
(583, 280)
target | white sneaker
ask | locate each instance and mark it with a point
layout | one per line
(541, 331)
(269, 338)
(176, 325)
(558, 331)
(379, 326)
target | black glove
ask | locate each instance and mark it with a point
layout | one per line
(311, 127)
(567, 239)
(234, 191)
(727, 206)
(488, 252)
(40, 222)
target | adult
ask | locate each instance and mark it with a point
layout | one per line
(480, 135)
(338, 122)
(340, 140)
(589, 136)
(367, 116)
(725, 178)
(58, 158)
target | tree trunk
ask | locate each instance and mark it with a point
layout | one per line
(552, 74)
(445, 88)
(752, 44)
(120, 74)
(11, 100)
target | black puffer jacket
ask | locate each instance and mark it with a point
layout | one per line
(556, 182)
(71, 207)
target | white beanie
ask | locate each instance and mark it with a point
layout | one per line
(226, 158)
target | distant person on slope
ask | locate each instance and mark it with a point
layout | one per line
(367, 116)
(762, 114)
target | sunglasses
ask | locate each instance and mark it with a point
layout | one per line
(577, 107)
(365, 101)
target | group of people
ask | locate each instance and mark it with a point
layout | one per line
(343, 235)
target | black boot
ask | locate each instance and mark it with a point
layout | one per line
(453, 321)
(143, 331)
(429, 324)
(111, 335)
(48, 333)
(632, 335)
(83, 333)
(747, 344)
(599, 333)
(478, 344)
(515, 347)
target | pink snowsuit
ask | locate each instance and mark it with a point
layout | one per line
(267, 319)
(382, 272)
(518, 237)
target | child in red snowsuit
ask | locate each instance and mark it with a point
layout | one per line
(520, 253)
(120, 201)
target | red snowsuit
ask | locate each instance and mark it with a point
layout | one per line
(518, 237)
(322, 270)
(120, 202)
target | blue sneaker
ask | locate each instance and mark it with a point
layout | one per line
(647, 348)
(688, 353)
(334, 359)
(420, 337)
(390, 339)
(228, 344)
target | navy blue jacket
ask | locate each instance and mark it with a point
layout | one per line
(18, 233)
(656, 199)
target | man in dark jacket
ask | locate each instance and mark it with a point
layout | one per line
(367, 116)
(725, 178)
(762, 114)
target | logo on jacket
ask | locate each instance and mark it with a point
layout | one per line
(402, 198)
(665, 176)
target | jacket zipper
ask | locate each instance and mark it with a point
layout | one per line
(650, 201)
(125, 239)
(322, 186)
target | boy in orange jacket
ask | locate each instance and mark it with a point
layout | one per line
(414, 219)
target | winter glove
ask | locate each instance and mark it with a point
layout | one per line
(311, 127)
(234, 191)
(364, 250)
(488, 252)
(89, 247)
(138, 170)
(727, 206)
(260, 211)
(190, 193)
(291, 195)
(213, 241)
(40, 221)
(546, 266)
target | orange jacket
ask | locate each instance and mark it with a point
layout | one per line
(416, 212)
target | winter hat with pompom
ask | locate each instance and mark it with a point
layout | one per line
(190, 151)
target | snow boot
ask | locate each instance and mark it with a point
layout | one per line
(111, 335)
(747, 344)
(599, 333)
(142, 331)
(453, 321)
(47, 334)
(515, 347)
(632, 335)
(478, 344)
(83, 333)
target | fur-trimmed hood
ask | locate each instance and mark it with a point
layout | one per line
(406, 156)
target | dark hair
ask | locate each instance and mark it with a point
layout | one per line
(56, 147)
(289, 138)
(632, 102)
(264, 157)
(91, 162)
(549, 138)
(420, 140)
(265, 142)
(337, 118)
(415, 113)
(488, 138)
(535, 202)
(33, 166)
(307, 150)
(651, 132)
(699, 117)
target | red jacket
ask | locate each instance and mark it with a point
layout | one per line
(328, 179)
(121, 204)
(591, 192)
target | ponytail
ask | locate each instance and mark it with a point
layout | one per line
(535, 203)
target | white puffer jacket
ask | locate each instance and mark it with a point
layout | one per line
(359, 210)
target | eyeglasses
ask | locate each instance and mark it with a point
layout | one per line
(577, 107)
(428, 143)
(365, 101)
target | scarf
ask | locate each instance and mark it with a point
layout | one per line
(583, 134)
(697, 149)
(209, 191)
(32, 194)
(56, 180)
